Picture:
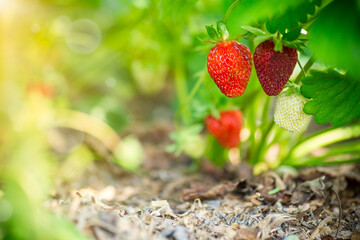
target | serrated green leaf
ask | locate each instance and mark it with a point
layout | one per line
(329, 87)
(310, 8)
(212, 32)
(338, 21)
(292, 35)
(249, 11)
(272, 25)
(290, 20)
(302, 16)
(339, 101)
(351, 104)
(335, 97)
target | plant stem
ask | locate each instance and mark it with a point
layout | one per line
(305, 70)
(180, 84)
(301, 68)
(266, 110)
(191, 95)
(262, 143)
(232, 6)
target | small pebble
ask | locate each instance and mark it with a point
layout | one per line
(178, 232)
(291, 237)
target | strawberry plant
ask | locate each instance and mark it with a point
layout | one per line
(278, 39)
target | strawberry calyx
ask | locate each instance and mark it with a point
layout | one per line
(292, 88)
(220, 34)
(258, 36)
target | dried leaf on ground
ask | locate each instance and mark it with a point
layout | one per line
(108, 204)
(308, 189)
(218, 191)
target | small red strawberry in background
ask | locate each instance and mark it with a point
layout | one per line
(226, 129)
(229, 63)
(274, 68)
(289, 113)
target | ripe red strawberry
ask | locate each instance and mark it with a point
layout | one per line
(227, 129)
(274, 68)
(229, 65)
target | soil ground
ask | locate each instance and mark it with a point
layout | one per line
(167, 201)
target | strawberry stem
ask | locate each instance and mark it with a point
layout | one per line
(266, 110)
(232, 6)
(302, 69)
(262, 143)
(305, 70)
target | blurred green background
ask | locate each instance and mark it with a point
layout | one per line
(118, 61)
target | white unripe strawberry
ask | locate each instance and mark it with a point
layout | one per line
(289, 112)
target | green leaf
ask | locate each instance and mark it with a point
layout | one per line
(222, 30)
(259, 39)
(253, 30)
(299, 153)
(274, 191)
(289, 22)
(273, 25)
(335, 36)
(247, 12)
(336, 154)
(292, 35)
(335, 97)
(212, 32)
